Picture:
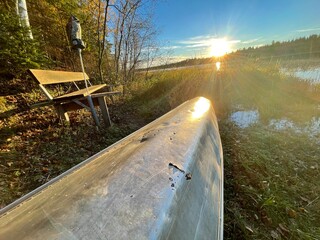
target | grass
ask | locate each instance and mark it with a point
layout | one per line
(271, 176)
(271, 183)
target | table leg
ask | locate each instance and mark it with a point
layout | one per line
(93, 111)
(63, 115)
(104, 110)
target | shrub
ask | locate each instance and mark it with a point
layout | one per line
(17, 52)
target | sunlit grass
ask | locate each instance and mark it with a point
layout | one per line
(271, 176)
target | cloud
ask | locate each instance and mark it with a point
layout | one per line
(308, 30)
(170, 47)
(203, 41)
(198, 45)
(201, 37)
(234, 41)
(259, 45)
(251, 41)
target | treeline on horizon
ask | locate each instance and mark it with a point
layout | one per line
(300, 48)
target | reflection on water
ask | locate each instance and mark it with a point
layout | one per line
(311, 128)
(244, 119)
(282, 124)
(311, 75)
(218, 64)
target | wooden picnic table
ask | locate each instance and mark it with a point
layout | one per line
(88, 98)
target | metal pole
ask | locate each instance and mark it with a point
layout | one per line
(84, 73)
(89, 98)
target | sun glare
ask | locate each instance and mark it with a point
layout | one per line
(218, 65)
(219, 47)
(201, 107)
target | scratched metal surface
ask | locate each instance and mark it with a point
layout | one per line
(130, 191)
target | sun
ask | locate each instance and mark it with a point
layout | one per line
(219, 47)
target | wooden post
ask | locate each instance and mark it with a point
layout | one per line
(104, 110)
(110, 89)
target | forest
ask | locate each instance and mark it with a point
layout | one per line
(119, 35)
(300, 48)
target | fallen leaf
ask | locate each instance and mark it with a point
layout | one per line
(305, 199)
(266, 220)
(281, 232)
(303, 210)
(292, 213)
(275, 235)
(249, 229)
(284, 228)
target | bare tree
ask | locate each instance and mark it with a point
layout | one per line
(119, 33)
(132, 34)
(102, 44)
(141, 37)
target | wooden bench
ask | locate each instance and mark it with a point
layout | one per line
(94, 95)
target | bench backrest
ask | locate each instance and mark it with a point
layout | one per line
(45, 77)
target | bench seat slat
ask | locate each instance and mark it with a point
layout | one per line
(80, 93)
(103, 94)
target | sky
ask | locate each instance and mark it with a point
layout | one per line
(188, 28)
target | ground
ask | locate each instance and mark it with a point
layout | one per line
(268, 123)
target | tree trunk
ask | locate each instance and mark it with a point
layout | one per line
(102, 48)
(21, 6)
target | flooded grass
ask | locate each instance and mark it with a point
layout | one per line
(244, 119)
(272, 155)
(312, 76)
